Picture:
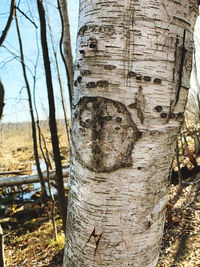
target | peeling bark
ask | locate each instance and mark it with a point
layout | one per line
(129, 55)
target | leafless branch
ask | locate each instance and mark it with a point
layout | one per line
(26, 17)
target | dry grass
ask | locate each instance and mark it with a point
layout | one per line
(27, 225)
(16, 147)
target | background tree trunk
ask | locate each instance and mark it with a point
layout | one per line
(62, 203)
(2, 258)
(132, 79)
(65, 45)
(34, 132)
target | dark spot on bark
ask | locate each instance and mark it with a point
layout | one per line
(149, 224)
(163, 115)
(82, 52)
(147, 78)
(118, 119)
(158, 108)
(157, 81)
(133, 105)
(139, 134)
(102, 83)
(73, 106)
(139, 77)
(109, 67)
(86, 72)
(82, 30)
(131, 74)
(108, 118)
(172, 116)
(75, 114)
(92, 43)
(79, 79)
(180, 115)
(139, 168)
(91, 85)
(102, 152)
(75, 83)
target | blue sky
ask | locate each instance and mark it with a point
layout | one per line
(16, 108)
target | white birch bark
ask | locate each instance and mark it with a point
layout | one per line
(131, 83)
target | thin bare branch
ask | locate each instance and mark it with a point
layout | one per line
(26, 17)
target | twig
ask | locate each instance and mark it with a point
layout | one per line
(27, 17)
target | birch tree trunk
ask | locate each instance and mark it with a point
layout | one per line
(131, 83)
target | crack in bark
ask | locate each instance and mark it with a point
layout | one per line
(183, 51)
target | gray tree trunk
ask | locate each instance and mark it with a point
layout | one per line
(131, 83)
(66, 45)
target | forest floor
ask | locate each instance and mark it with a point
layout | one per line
(28, 230)
(181, 239)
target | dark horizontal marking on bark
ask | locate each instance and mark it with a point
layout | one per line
(108, 118)
(96, 29)
(158, 108)
(92, 45)
(102, 83)
(157, 81)
(131, 74)
(163, 115)
(138, 77)
(139, 168)
(117, 128)
(75, 83)
(133, 105)
(91, 85)
(82, 52)
(147, 78)
(109, 67)
(86, 72)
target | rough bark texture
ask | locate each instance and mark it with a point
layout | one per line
(131, 83)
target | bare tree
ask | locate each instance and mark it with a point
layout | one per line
(34, 133)
(52, 119)
(59, 79)
(65, 45)
(131, 82)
